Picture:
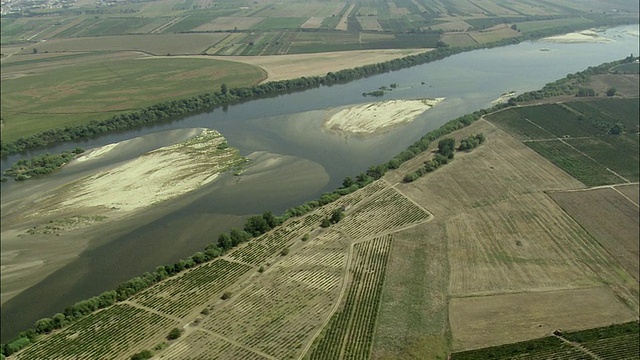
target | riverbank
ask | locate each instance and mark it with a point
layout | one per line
(378, 117)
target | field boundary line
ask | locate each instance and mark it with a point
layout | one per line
(336, 306)
(613, 186)
(395, 187)
(230, 259)
(589, 157)
(154, 311)
(235, 343)
(577, 346)
(625, 196)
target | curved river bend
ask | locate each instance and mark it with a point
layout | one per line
(288, 125)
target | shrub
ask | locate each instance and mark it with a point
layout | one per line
(226, 295)
(144, 354)
(174, 334)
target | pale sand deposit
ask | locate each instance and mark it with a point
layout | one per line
(377, 117)
(157, 176)
(283, 67)
(586, 36)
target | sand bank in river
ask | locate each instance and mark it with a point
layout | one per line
(377, 117)
(156, 176)
(586, 36)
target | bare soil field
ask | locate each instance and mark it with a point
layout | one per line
(626, 85)
(630, 191)
(484, 321)
(609, 217)
(282, 67)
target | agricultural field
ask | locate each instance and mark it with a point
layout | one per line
(413, 317)
(595, 141)
(609, 216)
(181, 294)
(112, 333)
(609, 342)
(349, 332)
(475, 324)
(98, 90)
(274, 303)
(510, 246)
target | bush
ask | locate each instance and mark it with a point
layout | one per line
(226, 295)
(144, 354)
(174, 334)
(325, 223)
(284, 252)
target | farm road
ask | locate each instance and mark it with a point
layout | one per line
(579, 347)
(606, 187)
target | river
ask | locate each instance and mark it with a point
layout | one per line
(288, 125)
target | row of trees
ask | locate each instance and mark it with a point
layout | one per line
(40, 165)
(444, 154)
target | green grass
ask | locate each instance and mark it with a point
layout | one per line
(560, 121)
(100, 90)
(417, 273)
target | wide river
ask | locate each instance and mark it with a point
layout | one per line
(319, 161)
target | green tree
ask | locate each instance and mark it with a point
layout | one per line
(611, 91)
(336, 216)
(174, 334)
(325, 223)
(224, 89)
(142, 355)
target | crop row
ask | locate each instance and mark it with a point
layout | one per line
(199, 345)
(278, 313)
(610, 111)
(625, 347)
(179, 295)
(267, 245)
(349, 333)
(388, 211)
(106, 334)
(258, 250)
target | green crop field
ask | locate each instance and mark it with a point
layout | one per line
(349, 333)
(99, 90)
(577, 136)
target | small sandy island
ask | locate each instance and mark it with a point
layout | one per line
(378, 117)
(157, 176)
(586, 36)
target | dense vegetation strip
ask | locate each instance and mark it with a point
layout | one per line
(40, 165)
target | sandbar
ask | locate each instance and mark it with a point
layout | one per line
(377, 117)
